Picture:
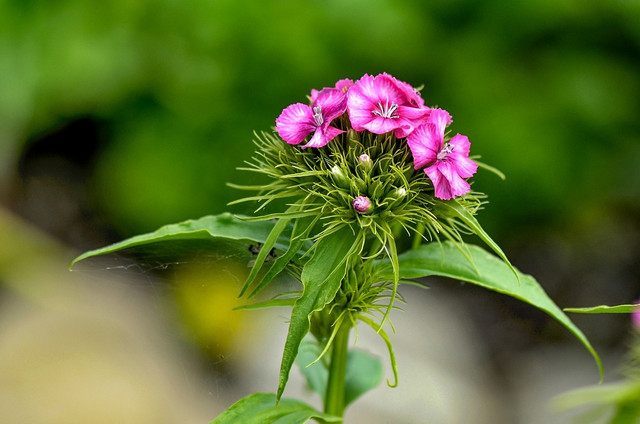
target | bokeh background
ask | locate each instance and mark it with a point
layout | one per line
(118, 117)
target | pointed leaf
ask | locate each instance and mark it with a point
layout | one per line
(211, 227)
(317, 373)
(261, 408)
(604, 309)
(266, 304)
(363, 370)
(300, 232)
(269, 243)
(447, 261)
(454, 209)
(610, 393)
(321, 277)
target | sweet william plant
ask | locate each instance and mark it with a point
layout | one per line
(378, 195)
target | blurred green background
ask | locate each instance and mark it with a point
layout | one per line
(118, 117)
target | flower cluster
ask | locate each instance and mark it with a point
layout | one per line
(381, 105)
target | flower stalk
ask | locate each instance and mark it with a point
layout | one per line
(334, 402)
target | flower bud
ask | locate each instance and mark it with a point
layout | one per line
(395, 196)
(360, 184)
(339, 178)
(365, 161)
(362, 204)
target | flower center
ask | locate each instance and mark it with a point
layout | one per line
(317, 115)
(386, 111)
(445, 151)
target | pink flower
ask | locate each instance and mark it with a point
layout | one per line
(381, 104)
(635, 316)
(361, 204)
(450, 162)
(298, 120)
(342, 85)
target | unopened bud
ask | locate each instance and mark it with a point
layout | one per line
(339, 178)
(365, 161)
(395, 196)
(361, 204)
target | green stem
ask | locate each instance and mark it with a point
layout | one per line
(334, 397)
(417, 238)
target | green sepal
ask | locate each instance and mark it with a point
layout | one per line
(321, 277)
(262, 408)
(211, 227)
(363, 372)
(604, 309)
(446, 260)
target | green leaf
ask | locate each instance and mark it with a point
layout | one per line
(490, 272)
(454, 209)
(317, 373)
(604, 309)
(301, 230)
(261, 408)
(321, 277)
(612, 393)
(363, 373)
(224, 226)
(266, 304)
(269, 243)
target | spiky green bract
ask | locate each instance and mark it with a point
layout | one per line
(320, 186)
(324, 182)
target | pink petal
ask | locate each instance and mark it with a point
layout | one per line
(360, 104)
(323, 136)
(440, 118)
(413, 97)
(363, 99)
(314, 95)
(387, 90)
(295, 123)
(380, 125)
(446, 182)
(442, 189)
(332, 103)
(344, 84)
(464, 166)
(461, 144)
(410, 118)
(424, 145)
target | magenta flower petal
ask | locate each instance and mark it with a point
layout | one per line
(440, 118)
(332, 103)
(460, 155)
(344, 84)
(409, 118)
(446, 182)
(450, 163)
(381, 104)
(295, 123)
(413, 96)
(425, 145)
(323, 136)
